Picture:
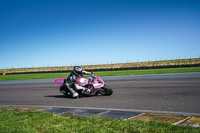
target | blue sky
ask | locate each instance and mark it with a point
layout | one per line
(36, 33)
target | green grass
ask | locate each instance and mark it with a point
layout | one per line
(40, 122)
(103, 73)
(176, 62)
(149, 71)
(33, 76)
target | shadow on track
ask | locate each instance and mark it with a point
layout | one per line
(59, 96)
(69, 97)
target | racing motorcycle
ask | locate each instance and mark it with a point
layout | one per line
(92, 85)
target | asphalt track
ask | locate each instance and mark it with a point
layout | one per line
(154, 93)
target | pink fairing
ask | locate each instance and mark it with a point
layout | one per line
(59, 81)
(83, 81)
(97, 81)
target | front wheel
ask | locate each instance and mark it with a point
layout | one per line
(106, 91)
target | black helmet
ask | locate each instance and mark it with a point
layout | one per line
(77, 69)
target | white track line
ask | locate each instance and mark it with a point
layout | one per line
(112, 109)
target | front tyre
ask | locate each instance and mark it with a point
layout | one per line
(106, 91)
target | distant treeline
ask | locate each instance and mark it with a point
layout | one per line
(111, 69)
(194, 62)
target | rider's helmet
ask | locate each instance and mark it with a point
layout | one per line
(77, 69)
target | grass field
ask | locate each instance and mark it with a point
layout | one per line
(102, 73)
(109, 66)
(39, 122)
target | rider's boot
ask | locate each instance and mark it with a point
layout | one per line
(73, 93)
(71, 90)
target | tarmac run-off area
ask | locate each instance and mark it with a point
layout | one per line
(172, 98)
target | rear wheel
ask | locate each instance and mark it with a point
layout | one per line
(64, 90)
(106, 91)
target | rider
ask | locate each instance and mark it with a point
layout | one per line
(71, 80)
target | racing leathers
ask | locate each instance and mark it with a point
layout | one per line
(71, 84)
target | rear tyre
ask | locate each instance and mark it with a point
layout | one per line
(64, 90)
(106, 91)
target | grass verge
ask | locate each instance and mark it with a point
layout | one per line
(32, 122)
(178, 62)
(103, 73)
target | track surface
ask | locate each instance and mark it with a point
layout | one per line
(162, 92)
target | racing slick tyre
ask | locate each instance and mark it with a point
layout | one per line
(106, 91)
(63, 89)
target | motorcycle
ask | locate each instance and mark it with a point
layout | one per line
(92, 86)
